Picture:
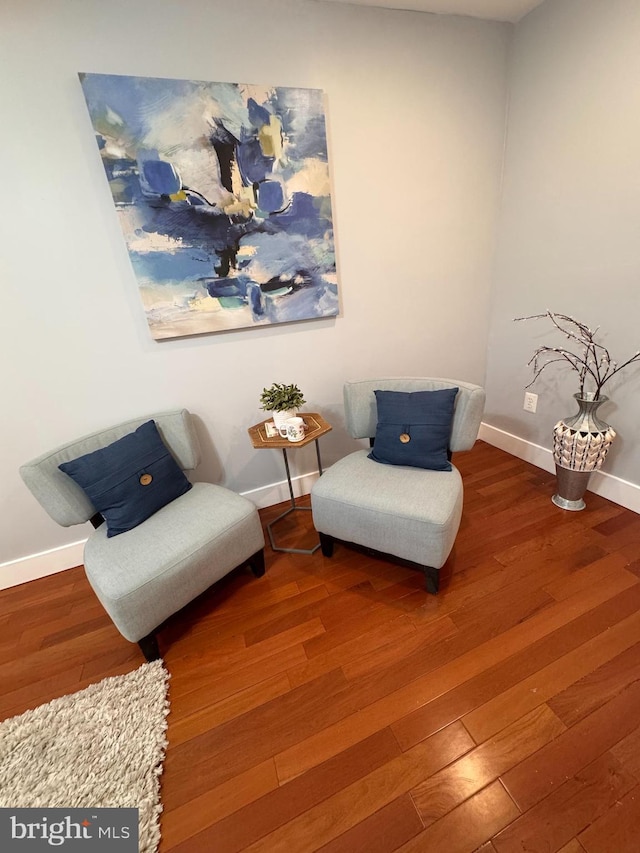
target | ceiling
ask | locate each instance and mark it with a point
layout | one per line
(495, 10)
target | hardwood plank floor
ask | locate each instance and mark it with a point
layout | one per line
(334, 706)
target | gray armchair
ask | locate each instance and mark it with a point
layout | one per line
(399, 511)
(148, 573)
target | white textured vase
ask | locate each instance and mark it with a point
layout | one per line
(580, 445)
(280, 417)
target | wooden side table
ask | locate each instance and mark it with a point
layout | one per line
(315, 426)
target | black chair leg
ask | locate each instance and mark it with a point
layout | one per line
(149, 646)
(326, 544)
(256, 562)
(432, 578)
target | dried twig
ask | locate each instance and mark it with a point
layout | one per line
(593, 363)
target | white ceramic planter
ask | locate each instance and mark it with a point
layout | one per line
(280, 417)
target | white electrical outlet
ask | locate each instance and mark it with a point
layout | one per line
(530, 402)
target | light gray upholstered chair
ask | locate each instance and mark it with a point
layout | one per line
(147, 574)
(409, 513)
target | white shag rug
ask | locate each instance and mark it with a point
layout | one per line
(101, 747)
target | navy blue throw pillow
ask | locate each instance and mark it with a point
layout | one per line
(414, 428)
(129, 480)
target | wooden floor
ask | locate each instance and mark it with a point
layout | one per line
(333, 705)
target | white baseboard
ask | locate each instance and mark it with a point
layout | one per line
(276, 493)
(67, 556)
(40, 565)
(619, 491)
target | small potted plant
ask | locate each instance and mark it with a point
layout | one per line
(283, 400)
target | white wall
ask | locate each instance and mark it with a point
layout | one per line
(415, 110)
(569, 235)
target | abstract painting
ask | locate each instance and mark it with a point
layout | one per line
(223, 195)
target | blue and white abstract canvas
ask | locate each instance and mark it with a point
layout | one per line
(223, 195)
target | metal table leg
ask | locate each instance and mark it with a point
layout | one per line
(293, 508)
